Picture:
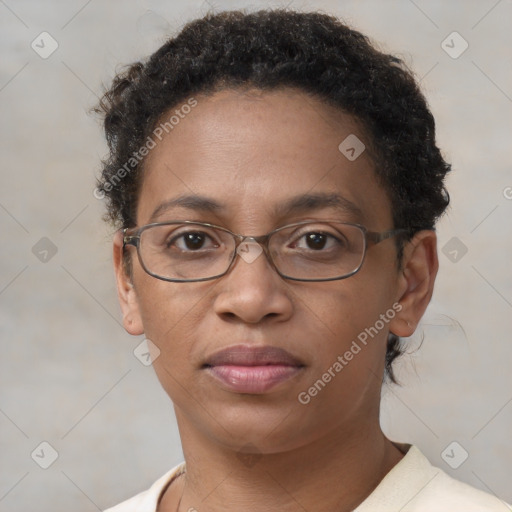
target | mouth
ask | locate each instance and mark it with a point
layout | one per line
(252, 370)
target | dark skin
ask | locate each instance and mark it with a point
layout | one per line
(251, 152)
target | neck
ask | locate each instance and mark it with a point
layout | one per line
(336, 472)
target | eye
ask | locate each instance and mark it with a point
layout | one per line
(317, 241)
(192, 241)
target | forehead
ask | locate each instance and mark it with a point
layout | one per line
(251, 151)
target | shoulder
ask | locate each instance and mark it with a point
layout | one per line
(446, 494)
(147, 501)
(415, 485)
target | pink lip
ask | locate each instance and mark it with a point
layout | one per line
(249, 369)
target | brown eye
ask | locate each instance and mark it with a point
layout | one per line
(192, 241)
(316, 240)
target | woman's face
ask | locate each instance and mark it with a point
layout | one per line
(252, 153)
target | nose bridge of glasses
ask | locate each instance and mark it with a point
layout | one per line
(249, 249)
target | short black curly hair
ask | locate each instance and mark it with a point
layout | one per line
(273, 49)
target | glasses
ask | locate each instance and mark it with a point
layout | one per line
(188, 251)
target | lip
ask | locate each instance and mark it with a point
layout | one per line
(250, 369)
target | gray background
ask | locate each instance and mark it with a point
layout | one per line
(68, 373)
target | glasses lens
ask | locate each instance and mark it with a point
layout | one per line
(312, 251)
(185, 251)
(317, 251)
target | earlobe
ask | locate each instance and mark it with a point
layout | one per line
(418, 273)
(128, 299)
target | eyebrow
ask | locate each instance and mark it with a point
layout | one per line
(299, 204)
(189, 202)
(317, 201)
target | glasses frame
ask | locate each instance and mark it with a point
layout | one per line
(131, 236)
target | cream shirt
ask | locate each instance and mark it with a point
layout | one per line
(412, 485)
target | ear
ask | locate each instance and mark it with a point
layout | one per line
(128, 300)
(416, 282)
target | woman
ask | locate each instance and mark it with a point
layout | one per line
(276, 183)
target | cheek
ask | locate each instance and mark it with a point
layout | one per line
(170, 314)
(352, 321)
(348, 346)
(340, 310)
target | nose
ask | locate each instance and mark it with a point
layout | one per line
(252, 290)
